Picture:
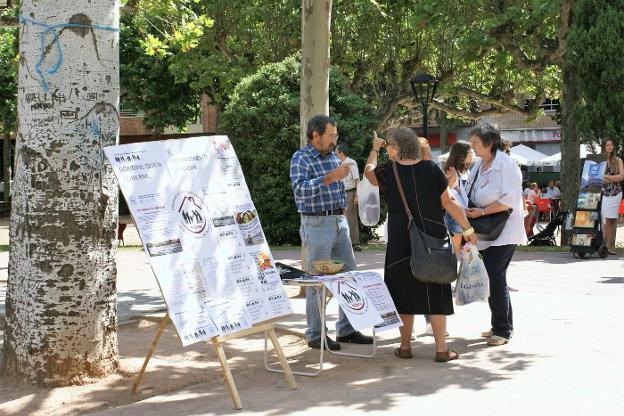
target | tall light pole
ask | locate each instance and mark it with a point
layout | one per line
(424, 88)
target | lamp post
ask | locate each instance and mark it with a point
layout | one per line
(424, 89)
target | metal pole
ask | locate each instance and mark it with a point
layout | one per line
(425, 121)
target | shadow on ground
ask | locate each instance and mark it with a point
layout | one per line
(193, 375)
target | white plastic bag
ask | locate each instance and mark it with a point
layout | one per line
(368, 203)
(473, 284)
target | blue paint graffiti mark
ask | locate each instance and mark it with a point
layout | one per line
(54, 30)
(95, 126)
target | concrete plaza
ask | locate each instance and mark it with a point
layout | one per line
(564, 358)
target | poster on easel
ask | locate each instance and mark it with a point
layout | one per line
(201, 233)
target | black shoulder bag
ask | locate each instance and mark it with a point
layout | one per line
(432, 259)
(487, 227)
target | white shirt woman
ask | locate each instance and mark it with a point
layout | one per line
(498, 185)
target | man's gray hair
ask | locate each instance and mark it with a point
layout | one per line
(407, 142)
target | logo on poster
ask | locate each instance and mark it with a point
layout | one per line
(351, 298)
(220, 146)
(191, 211)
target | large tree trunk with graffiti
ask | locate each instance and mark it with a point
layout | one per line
(61, 325)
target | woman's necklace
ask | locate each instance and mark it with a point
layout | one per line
(487, 164)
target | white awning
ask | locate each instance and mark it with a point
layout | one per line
(532, 135)
(526, 156)
(555, 159)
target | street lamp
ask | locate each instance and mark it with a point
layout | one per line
(424, 88)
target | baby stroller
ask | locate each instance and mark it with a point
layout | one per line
(546, 237)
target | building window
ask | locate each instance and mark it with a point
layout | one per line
(127, 110)
(548, 105)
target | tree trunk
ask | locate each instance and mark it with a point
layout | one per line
(315, 26)
(61, 324)
(6, 165)
(570, 147)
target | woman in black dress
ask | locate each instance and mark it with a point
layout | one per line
(425, 179)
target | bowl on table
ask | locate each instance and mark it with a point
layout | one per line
(327, 266)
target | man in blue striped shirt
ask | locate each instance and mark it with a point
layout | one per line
(315, 175)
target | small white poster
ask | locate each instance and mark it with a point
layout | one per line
(365, 300)
(202, 234)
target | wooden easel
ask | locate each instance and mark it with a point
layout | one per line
(267, 327)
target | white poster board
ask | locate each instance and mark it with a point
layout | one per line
(201, 232)
(365, 299)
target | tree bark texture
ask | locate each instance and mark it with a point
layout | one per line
(61, 324)
(570, 146)
(315, 27)
(6, 166)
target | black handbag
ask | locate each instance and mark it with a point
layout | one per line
(487, 227)
(432, 259)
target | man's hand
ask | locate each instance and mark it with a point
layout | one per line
(342, 171)
(337, 174)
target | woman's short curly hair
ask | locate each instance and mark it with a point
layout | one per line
(407, 142)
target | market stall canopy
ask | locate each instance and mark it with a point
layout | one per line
(523, 155)
(555, 159)
(526, 156)
(442, 158)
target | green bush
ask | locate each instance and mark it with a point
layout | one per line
(262, 121)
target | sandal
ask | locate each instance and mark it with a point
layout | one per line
(403, 353)
(445, 356)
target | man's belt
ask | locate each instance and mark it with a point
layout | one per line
(338, 211)
(350, 190)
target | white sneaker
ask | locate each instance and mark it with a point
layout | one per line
(488, 334)
(495, 341)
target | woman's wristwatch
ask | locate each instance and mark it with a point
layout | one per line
(468, 231)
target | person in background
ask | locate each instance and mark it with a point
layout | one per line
(426, 190)
(611, 193)
(425, 149)
(350, 183)
(554, 194)
(532, 196)
(534, 193)
(494, 186)
(527, 189)
(456, 172)
(315, 176)
(507, 145)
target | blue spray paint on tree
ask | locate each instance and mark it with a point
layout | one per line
(55, 30)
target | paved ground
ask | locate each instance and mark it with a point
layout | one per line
(564, 359)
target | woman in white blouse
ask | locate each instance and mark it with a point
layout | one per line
(497, 180)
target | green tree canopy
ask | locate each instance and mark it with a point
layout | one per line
(262, 120)
(596, 55)
(8, 80)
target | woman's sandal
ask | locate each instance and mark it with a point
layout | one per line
(445, 356)
(403, 353)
